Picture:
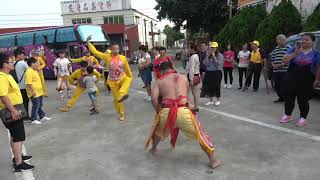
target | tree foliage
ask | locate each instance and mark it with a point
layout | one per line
(284, 19)
(242, 27)
(172, 35)
(208, 15)
(313, 23)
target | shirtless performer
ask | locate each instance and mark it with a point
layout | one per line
(174, 114)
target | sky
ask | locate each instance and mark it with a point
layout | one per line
(29, 13)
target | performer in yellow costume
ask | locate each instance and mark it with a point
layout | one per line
(42, 64)
(90, 59)
(78, 76)
(120, 75)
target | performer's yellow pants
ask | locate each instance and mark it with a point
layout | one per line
(119, 89)
(76, 95)
(43, 82)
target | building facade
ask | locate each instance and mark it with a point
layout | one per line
(125, 25)
(305, 7)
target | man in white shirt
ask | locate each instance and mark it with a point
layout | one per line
(20, 67)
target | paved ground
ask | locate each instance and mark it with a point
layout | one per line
(247, 137)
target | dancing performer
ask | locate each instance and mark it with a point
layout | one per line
(174, 113)
(120, 75)
(78, 76)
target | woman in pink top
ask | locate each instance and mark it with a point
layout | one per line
(228, 66)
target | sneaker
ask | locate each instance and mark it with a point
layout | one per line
(24, 158)
(94, 112)
(91, 109)
(148, 98)
(45, 119)
(239, 88)
(36, 122)
(217, 103)
(245, 88)
(23, 167)
(302, 122)
(225, 86)
(229, 86)
(209, 103)
(285, 119)
(121, 118)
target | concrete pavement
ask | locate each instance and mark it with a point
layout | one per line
(246, 134)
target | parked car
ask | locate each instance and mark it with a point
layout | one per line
(292, 41)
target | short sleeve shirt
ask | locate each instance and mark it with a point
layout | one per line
(90, 82)
(310, 60)
(33, 78)
(21, 67)
(258, 56)
(10, 89)
(63, 66)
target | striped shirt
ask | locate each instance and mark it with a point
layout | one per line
(277, 56)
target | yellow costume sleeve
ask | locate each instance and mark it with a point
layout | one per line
(97, 74)
(78, 60)
(75, 75)
(42, 64)
(101, 55)
(95, 61)
(127, 68)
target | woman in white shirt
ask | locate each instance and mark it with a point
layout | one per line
(243, 57)
(193, 72)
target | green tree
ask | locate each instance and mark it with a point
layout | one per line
(242, 27)
(172, 35)
(313, 23)
(284, 19)
(209, 15)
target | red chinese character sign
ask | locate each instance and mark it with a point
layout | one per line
(80, 6)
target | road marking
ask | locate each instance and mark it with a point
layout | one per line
(259, 123)
(28, 175)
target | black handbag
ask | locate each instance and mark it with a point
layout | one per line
(5, 113)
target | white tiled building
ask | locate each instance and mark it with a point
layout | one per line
(118, 19)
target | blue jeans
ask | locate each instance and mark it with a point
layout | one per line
(92, 96)
(37, 111)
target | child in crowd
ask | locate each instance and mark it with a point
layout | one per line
(91, 84)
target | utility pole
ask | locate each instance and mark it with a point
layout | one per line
(230, 8)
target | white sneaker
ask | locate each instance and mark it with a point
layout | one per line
(146, 97)
(225, 86)
(229, 86)
(149, 98)
(46, 119)
(217, 103)
(209, 103)
(36, 122)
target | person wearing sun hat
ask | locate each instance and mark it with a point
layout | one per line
(257, 57)
(211, 85)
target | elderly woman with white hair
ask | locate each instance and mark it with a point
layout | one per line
(279, 69)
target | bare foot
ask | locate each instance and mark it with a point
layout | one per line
(153, 151)
(215, 164)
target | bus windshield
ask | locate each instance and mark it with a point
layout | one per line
(96, 32)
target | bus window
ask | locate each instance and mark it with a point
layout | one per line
(96, 32)
(66, 35)
(39, 37)
(74, 52)
(7, 41)
(25, 39)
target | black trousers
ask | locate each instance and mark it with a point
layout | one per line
(106, 73)
(242, 71)
(227, 71)
(254, 70)
(25, 99)
(298, 84)
(278, 82)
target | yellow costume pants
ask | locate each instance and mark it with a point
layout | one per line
(43, 82)
(76, 95)
(119, 89)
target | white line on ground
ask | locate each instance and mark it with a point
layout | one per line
(27, 175)
(256, 122)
